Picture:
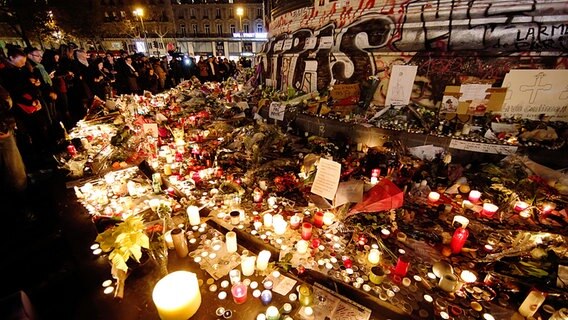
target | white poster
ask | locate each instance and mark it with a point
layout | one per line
(400, 85)
(327, 178)
(534, 92)
(276, 111)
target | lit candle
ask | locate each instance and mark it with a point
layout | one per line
(385, 233)
(433, 197)
(266, 297)
(328, 218)
(460, 235)
(272, 313)
(306, 295)
(177, 296)
(235, 217)
(547, 207)
(489, 210)
(295, 222)
(231, 240)
(306, 231)
(280, 226)
(532, 303)
(520, 206)
(468, 276)
(262, 260)
(169, 240)
(271, 201)
(376, 275)
(525, 213)
(402, 266)
(239, 291)
(247, 265)
(474, 196)
(267, 218)
(168, 169)
(193, 215)
(318, 219)
(374, 257)
(180, 243)
(302, 246)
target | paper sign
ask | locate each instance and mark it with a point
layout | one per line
(482, 147)
(151, 129)
(326, 42)
(327, 178)
(350, 191)
(400, 85)
(343, 91)
(505, 127)
(310, 43)
(427, 152)
(473, 91)
(449, 105)
(534, 92)
(276, 111)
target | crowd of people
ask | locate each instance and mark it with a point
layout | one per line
(43, 93)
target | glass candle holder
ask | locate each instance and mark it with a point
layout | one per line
(247, 265)
(239, 292)
(377, 275)
(474, 196)
(374, 257)
(306, 231)
(180, 243)
(262, 260)
(267, 219)
(272, 313)
(235, 217)
(302, 246)
(231, 239)
(306, 295)
(295, 222)
(318, 219)
(266, 297)
(489, 210)
(402, 265)
(235, 276)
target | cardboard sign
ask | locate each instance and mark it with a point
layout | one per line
(277, 111)
(327, 177)
(344, 91)
(482, 147)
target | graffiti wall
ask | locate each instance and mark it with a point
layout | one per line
(348, 41)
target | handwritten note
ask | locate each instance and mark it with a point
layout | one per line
(471, 92)
(400, 85)
(277, 111)
(343, 91)
(350, 191)
(482, 147)
(327, 178)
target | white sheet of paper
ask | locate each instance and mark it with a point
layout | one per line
(534, 92)
(350, 191)
(472, 92)
(150, 128)
(504, 127)
(400, 85)
(277, 111)
(327, 178)
(427, 152)
(482, 147)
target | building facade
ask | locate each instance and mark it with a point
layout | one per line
(196, 28)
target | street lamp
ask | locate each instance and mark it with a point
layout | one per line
(139, 12)
(240, 12)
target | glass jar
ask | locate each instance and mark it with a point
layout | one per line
(561, 314)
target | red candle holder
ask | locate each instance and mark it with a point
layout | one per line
(239, 291)
(402, 265)
(347, 262)
(318, 219)
(306, 231)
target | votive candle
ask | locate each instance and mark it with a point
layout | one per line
(489, 210)
(239, 291)
(267, 218)
(520, 206)
(474, 196)
(272, 313)
(247, 265)
(280, 226)
(433, 197)
(376, 275)
(266, 297)
(318, 219)
(295, 222)
(193, 215)
(302, 246)
(177, 296)
(180, 243)
(306, 231)
(231, 241)
(328, 218)
(374, 256)
(402, 265)
(262, 260)
(305, 295)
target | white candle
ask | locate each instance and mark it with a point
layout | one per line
(247, 265)
(374, 256)
(271, 201)
(433, 196)
(193, 215)
(468, 276)
(257, 225)
(328, 218)
(272, 313)
(262, 260)
(302, 246)
(520, 206)
(169, 239)
(280, 226)
(474, 196)
(231, 239)
(177, 296)
(489, 209)
(267, 220)
(374, 180)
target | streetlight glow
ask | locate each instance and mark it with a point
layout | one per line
(139, 12)
(240, 12)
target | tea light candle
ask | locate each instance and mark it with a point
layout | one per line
(247, 265)
(231, 241)
(520, 206)
(266, 297)
(267, 218)
(385, 233)
(474, 196)
(318, 219)
(433, 197)
(272, 313)
(280, 226)
(374, 180)
(489, 210)
(374, 257)
(262, 260)
(302, 246)
(525, 213)
(239, 291)
(177, 296)
(193, 215)
(468, 276)
(295, 222)
(306, 231)
(328, 218)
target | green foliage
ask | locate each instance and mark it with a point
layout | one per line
(124, 241)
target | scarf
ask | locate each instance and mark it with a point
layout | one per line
(44, 74)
